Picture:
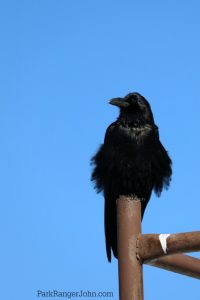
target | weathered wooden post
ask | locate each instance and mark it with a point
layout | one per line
(128, 229)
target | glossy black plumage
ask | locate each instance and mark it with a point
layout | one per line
(131, 161)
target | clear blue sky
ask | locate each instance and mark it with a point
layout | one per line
(61, 61)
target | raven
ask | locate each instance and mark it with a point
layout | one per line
(131, 162)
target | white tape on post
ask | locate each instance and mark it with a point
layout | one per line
(163, 241)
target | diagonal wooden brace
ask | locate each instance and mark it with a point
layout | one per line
(178, 263)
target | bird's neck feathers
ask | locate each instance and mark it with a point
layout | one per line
(131, 120)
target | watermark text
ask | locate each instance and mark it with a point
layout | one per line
(74, 294)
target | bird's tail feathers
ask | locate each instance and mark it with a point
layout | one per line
(110, 223)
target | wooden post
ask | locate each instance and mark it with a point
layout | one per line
(130, 268)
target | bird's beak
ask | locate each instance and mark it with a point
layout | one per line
(120, 102)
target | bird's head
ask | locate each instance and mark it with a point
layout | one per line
(135, 106)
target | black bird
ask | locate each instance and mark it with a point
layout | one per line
(132, 161)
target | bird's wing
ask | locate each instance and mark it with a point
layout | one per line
(161, 165)
(110, 132)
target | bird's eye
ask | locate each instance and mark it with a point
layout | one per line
(142, 106)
